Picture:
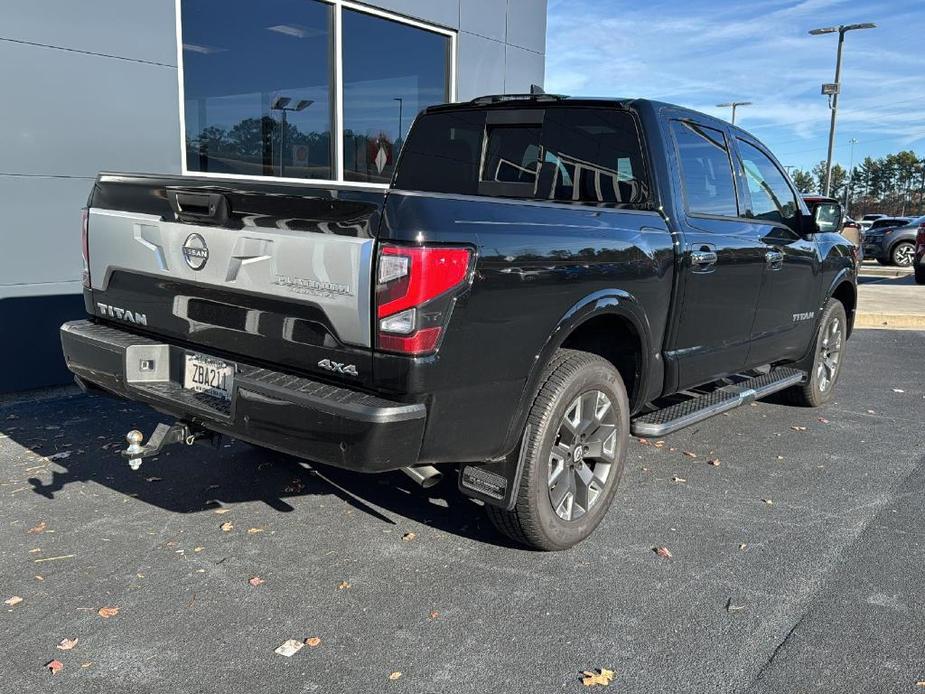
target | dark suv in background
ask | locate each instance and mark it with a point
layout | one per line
(891, 240)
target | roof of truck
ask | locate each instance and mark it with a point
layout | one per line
(510, 101)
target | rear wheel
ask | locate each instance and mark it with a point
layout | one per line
(903, 254)
(573, 462)
(829, 354)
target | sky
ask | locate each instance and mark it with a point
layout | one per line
(698, 53)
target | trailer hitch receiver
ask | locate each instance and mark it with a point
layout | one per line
(164, 435)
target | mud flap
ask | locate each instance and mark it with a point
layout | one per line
(495, 483)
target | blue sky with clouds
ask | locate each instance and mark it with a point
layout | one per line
(700, 53)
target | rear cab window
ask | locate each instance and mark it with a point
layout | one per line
(577, 154)
(706, 170)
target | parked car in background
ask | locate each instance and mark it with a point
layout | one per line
(919, 259)
(891, 240)
(868, 219)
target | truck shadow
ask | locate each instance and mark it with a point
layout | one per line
(80, 438)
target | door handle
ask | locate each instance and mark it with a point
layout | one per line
(703, 259)
(774, 259)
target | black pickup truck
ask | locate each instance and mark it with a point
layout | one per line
(544, 276)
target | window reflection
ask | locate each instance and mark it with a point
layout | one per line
(391, 72)
(257, 87)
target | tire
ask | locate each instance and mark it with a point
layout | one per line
(828, 358)
(573, 385)
(903, 254)
(920, 274)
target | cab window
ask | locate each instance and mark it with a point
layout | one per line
(706, 171)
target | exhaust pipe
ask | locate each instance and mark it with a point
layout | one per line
(425, 475)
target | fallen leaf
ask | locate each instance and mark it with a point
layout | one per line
(659, 444)
(254, 531)
(226, 527)
(67, 644)
(55, 666)
(220, 511)
(592, 679)
(434, 614)
(733, 608)
(742, 546)
(871, 412)
(663, 552)
(107, 612)
(343, 585)
(39, 578)
(289, 648)
(197, 550)
(823, 420)
(408, 537)
(86, 664)
(63, 556)
(690, 455)
(40, 528)
(920, 683)
(678, 479)
(313, 642)
(644, 442)
(394, 676)
(713, 461)
(769, 502)
(796, 428)
(256, 581)
(15, 600)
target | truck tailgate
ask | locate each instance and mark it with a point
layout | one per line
(271, 273)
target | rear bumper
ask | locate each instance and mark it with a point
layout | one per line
(298, 416)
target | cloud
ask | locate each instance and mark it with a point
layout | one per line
(699, 53)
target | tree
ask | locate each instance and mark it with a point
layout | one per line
(839, 179)
(804, 181)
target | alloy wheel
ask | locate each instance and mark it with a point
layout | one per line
(829, 358)
(904, 255)
(583, 455)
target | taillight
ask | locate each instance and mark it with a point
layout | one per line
(85, 245)
(414, 295)
(920, 236)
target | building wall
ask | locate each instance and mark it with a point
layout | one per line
(92, 86)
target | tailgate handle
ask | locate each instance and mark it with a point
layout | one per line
(199, 207)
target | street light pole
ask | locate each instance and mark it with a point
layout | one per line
(401, 105)
(734, 105)
(833, 92)
(853, 141)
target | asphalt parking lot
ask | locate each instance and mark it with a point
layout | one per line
(797, 566)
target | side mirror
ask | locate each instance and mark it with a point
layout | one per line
(828, 216)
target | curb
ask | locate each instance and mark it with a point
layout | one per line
(890, 321)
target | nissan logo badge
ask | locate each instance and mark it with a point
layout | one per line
(195, 251)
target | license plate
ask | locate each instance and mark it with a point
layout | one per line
(206, 375)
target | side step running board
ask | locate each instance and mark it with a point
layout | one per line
(697, 409)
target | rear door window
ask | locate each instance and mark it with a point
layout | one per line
(706, 170)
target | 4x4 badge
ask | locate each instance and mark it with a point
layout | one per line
(329, 365)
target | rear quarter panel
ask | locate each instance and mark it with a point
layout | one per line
(536, 263)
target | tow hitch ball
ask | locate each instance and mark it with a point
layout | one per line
(164, 435)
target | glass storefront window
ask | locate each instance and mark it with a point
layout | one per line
(259, 95)
(391, 72)
(257, 87)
